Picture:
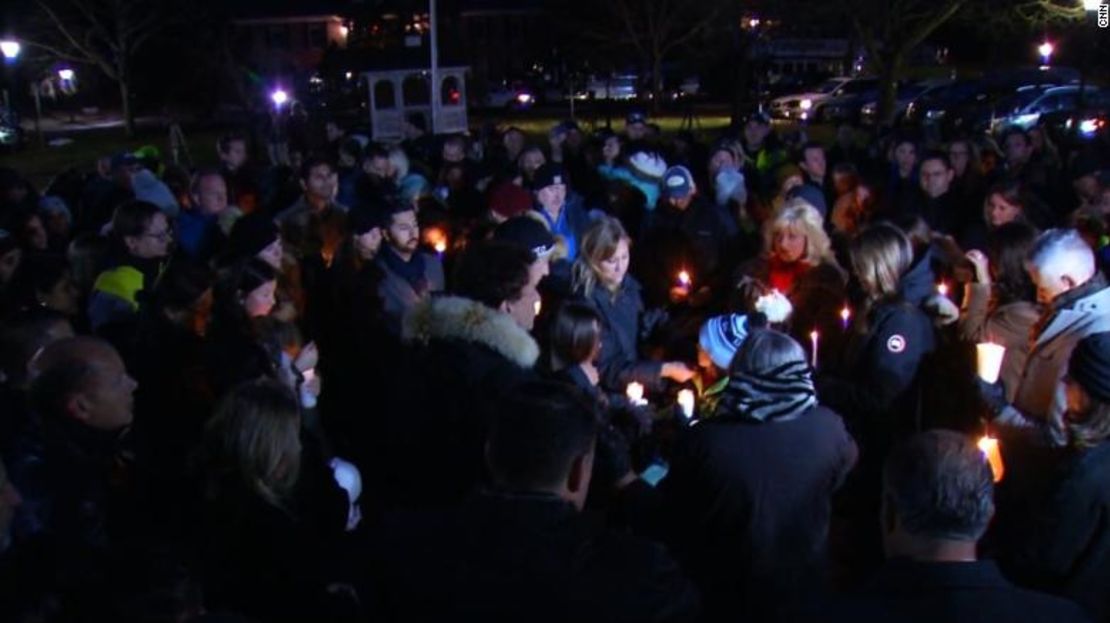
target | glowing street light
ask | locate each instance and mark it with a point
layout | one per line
(1045, 50)
(10, 49)
(279, 97)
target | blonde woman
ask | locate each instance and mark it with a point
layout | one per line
(600, 277)
(798, 261)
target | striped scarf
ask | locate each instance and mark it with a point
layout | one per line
(779, 394)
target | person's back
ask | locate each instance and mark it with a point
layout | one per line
(937, 502)
(523, 551)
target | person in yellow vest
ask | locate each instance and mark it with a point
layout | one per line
(140, 239)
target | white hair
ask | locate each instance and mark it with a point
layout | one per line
(1059, 252)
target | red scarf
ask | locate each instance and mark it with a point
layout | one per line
(783, 275)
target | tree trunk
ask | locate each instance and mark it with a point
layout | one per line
(889, 74)
(656, 83)
(125, 101)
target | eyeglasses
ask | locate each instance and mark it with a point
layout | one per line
(162, 236)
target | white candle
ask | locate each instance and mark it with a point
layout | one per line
(989, 360)
(813, 344)
(537, 307)
(686, 402)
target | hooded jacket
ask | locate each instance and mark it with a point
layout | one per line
(463, 357)
(1040, 402)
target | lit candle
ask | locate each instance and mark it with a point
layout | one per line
(989, 447)
(537, 306)
(813, 343)
(684, 279)
(942, 289)
(989, 360)
(686, 402)
(441, 247)
(845, 316)
(635, 393)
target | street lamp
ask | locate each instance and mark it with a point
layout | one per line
(1045, 49)
(10, 49)
(279, 97)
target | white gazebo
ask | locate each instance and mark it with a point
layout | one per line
(397, 93)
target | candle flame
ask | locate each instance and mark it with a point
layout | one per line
(992, 452)
(845, 314)
(684, 278)
(441, 246)
(537, 306)
(942, 289)
(635, 392)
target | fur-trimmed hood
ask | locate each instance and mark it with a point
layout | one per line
(457, 318)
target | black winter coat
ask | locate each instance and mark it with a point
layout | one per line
(1065, 547)
(465, 357)
(748, 507)
(969, 592)
(524, 557)
(622, 325)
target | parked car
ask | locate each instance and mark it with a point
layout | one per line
(906, 95)
(618, 87)
(846, 102)
(512, 94)
(801, 105)
(1076, 127)
(1024, 109)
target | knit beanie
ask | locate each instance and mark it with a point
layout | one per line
(721, 336)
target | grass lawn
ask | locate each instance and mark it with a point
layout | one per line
(40, 164)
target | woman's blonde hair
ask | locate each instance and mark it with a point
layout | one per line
(798, 213)
(599, 243)
(880, 255)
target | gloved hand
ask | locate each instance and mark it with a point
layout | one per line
(942, 310)
(993, 396)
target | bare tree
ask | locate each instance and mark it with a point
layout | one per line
(106, 34)
(890, 30)
(651, 29)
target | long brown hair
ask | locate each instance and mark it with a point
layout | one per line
(880, 255)
(599, 243)
(252, 442)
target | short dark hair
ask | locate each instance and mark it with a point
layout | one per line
(313, 162)
(936, 154)
(374, 150)
(539, 428)
(574, 333)
(939, 485)
(201, 173)
(492, 273)
(64, 369)
(800, 157)
(224, 142)
(132, 218)
(1014, 130)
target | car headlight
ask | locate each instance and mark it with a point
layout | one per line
(806, 104)
(524, 98)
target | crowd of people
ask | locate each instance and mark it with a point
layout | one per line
(626, 376)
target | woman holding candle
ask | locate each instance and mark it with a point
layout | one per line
(798, 262)
(748, 496)
(600, 276)
(1000, 305)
